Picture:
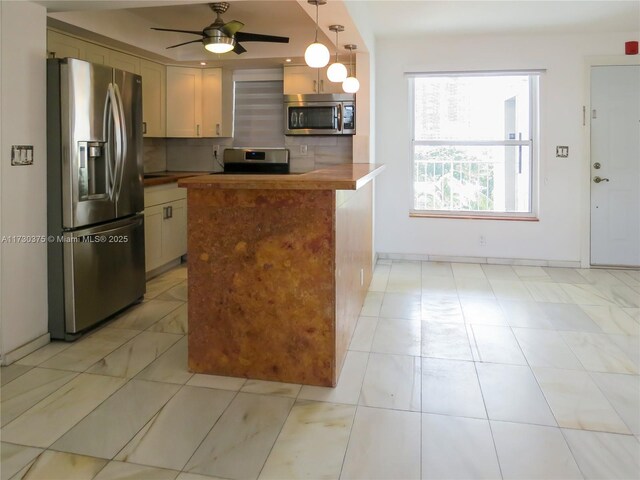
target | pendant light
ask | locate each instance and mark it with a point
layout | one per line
(317, 55)
(336, 72)
(351, 83)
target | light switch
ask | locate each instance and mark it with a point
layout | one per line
(21, 155)
(562, 152)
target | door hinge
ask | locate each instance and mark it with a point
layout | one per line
(594, 114)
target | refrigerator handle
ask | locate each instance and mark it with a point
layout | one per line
(108, 127)
(123, 140)
(116, 119)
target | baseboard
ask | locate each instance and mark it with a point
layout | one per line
(24, 350)
(486, 260)
(164, 268)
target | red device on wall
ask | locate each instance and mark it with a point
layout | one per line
(631, 48)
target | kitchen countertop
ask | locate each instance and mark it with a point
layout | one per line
(337, 177)
(161, 178)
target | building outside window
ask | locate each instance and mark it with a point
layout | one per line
(474, 142)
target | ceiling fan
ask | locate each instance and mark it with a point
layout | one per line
(221, 37)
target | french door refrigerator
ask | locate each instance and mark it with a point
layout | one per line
(95, 194)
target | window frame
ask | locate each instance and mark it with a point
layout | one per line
(532, 143)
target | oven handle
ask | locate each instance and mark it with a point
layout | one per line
(340, 118)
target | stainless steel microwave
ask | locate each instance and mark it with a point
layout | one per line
(320, 114)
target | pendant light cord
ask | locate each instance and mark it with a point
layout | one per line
(316, 40)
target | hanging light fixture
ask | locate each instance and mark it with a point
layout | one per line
(351, 83)
(317, 55)
(336, 72)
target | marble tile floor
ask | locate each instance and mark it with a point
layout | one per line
(455, 371)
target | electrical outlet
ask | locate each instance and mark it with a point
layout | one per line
(303, 149)
(482, 240)
(21, 155)
(562, 152)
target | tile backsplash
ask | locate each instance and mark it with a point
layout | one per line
(196, 154)
(321, 151)
(154, 154)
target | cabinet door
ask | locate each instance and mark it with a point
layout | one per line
(154, 82)
(96, 54)
(174, 231)
(212, 102)
(123, 61)
(184, 102)
(327, 86)
(153, 237)
(300, 79)
(61, 46)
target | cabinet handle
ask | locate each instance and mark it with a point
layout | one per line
(197, 130)
(144, 128)
(315, 86)
(218, 129)
(321, 85)
(165, 213)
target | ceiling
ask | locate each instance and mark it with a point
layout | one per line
(483, 17)
(128, 22)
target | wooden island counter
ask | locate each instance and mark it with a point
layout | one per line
(279, 267)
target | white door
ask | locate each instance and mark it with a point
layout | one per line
(615, 165)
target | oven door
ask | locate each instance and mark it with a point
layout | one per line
(319, 118)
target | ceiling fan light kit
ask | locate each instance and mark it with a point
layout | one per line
(219, 43)
(317, 55)
(336, 72)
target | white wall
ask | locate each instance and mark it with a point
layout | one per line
(23, 211)
(563, 191)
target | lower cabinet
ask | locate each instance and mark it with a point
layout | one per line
(165, 220)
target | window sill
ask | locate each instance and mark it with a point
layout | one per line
(473, 217)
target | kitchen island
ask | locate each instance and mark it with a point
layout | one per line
(279, 267)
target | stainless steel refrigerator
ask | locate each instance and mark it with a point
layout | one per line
(95, 194)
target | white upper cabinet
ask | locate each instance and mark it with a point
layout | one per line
(195, 102)
(212, 102)
(124, 61)
(300, 79)
(61, 46)
(154, 86)
(184, 102)
(95, 53)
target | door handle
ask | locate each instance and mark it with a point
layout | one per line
(315, 86)
(197, 130)
(322, 85)
(144, 128)
(599, 179)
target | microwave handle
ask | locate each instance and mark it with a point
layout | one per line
(340, 119)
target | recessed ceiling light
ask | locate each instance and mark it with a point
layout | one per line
(203, 63)
(288, 60)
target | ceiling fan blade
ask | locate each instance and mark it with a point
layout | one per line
(238, 49)
(186, 43)
(179, 31)
(257, 37)
(231, 28)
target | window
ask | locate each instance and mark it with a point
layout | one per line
(258, 114)
(473, 145)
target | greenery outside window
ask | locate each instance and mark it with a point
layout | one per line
(474, 139)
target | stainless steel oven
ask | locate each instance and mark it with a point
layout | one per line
(320, 114)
